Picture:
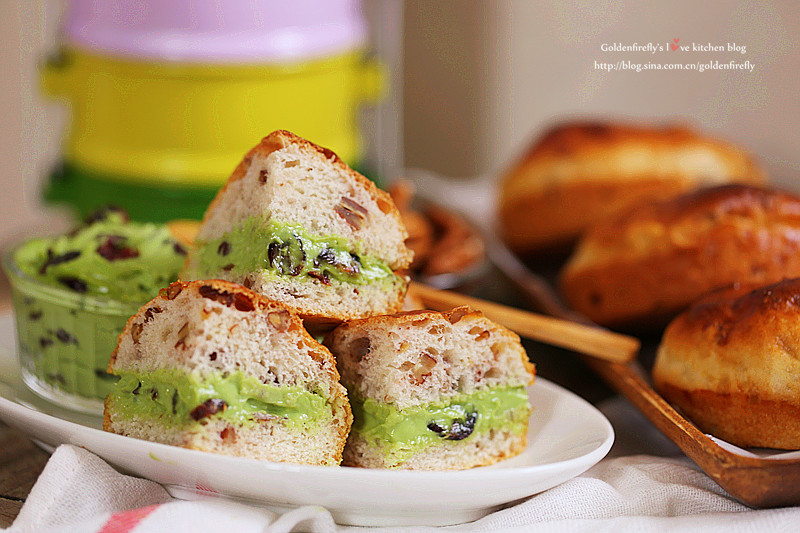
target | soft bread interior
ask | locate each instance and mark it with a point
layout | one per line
(201, 334)
(480, 450)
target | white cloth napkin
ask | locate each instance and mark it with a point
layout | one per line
(78, 492)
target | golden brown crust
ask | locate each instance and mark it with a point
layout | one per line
(735, 200)
(106, 417)
(342, 404)
(243, 299)
(580, 172)
(413, 315)
(731, 362)
(644, 266)
(319, 315)
(596, 135)
(741, 419)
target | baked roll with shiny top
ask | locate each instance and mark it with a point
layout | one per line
(731, 364)
(580, 172)
(643, 267)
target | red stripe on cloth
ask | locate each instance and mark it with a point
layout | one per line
(127, 520)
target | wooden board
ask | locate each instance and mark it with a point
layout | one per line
(753, 481)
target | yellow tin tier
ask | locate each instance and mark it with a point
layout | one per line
(159, 124)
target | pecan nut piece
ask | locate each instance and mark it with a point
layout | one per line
(352, 212)
(182, 334)
(174, 290)
(136, 331)
(279, 320)
(223, 297)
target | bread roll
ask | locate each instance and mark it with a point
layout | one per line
(580, 172)
(433, 391)
(731, 363)
(643, 267)
(213, 366)
(299, 226)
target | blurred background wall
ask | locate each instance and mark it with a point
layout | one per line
(476, 81)
(482, 78)
(31, 134)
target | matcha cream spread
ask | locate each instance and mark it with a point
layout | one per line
(73, 294)
(403, 432)
(179, 399)
(124, 261)
(288, 250)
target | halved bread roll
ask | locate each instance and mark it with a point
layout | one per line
(298, 225)
(433, 391)
(213, 366)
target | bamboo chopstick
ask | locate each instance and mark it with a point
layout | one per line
(590, 340)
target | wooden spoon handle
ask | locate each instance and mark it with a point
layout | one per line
(590, 340)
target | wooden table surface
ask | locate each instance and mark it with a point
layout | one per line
(21, 461)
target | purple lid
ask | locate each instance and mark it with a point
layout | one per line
(216, 30)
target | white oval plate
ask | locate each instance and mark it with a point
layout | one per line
(567, 436)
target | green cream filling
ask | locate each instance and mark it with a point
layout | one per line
(176, 399)
(401, 433)
(259, 245)
(126, 261)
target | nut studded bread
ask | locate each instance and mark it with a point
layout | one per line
(213, 366)
(298, 225)
(580, 172)
(643, 267)
(433, 391)
(730, 363)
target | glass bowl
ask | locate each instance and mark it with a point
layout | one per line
(65, 339)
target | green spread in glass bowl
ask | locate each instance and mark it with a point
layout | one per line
(73, 295)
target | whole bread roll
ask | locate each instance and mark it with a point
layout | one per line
(641, 268)
(580, 172)
(731, 364)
